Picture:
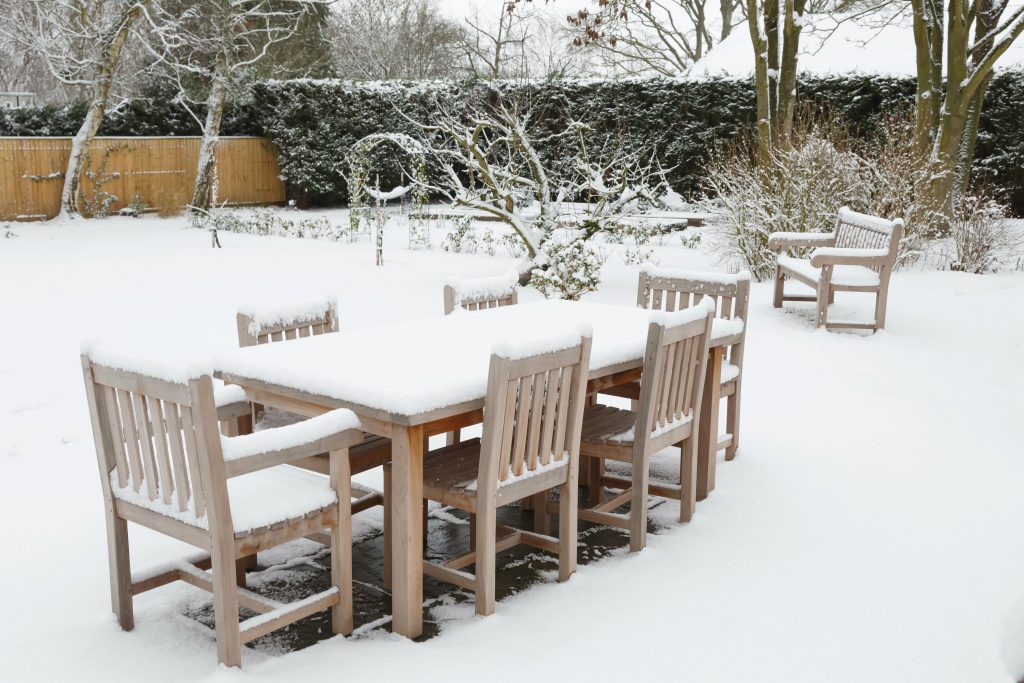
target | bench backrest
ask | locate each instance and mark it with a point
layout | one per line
(862, 231)
(259, 326)
(481, 293)
(158, 440)
(670, 290)
(673, 376)
(533, 413)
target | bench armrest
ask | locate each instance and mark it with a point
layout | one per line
(839, 256)
(778, 241)
(331, 431)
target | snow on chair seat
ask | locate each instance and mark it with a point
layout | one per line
(843, 276)
(857, 256)
(164, 465)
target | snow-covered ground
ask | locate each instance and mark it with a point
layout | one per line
(871, 528)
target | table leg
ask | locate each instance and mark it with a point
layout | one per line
(407, 531)
(707, 438)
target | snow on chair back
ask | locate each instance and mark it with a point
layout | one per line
(665, 289)
(149, 436)
(258, 325)
(534, 410)
(674, 365)
(481, 293)
(862, 231)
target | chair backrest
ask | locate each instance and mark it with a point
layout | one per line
(862, 231)
(673, 290)
(672, 383)
(481, 293)
(533, 412)
(157, 438)
(264, 325)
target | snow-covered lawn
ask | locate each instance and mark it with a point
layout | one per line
(871, 528)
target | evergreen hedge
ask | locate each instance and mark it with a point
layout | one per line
(315, 122)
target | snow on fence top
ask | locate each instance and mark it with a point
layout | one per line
(178, 371)
(493, 287)
(652, 270)
(542, 340)
(286, 314)
(289, 436)
(687, 315)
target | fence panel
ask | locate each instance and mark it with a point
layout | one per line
(159, 170)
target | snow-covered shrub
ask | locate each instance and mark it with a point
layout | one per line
(800, 189)
(268, 222)
(567, 268)
(981, 235)
(461, 240)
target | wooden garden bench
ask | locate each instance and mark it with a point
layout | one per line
(857, 256)
(530, 444)
(668, 413)
(268, 325)
(164, 465)
(478, 294)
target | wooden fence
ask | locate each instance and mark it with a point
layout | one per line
(159, 170)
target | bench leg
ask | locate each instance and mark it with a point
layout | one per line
(824, 294)
(732, 421)
(567, 512)
(120, 570)
(486, 561)
(541, 518)
(387, 529)
(225, 608)
(780, 283)
(687, 478)
(638, 506)
(880, 298)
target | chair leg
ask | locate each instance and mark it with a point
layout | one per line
(472, 532)
(567, 525)
(541, 518)
(595, 468)
(341, 544)
(732, 422)
(120, 570)
(879, 310)
(638, 506)
(225, 608)
(486, 531)
(243, 564)
(688, 478)
(387, 529)
(824, 291)
(780, 283)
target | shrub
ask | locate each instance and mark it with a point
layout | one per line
(568, 268)
(981, 235)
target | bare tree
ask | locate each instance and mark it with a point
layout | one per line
(977, 34)
(655, 36)
(216, 45)
(394, 39)
(495, 46)
(81, 42)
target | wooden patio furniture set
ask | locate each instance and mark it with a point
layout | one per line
(178, 453)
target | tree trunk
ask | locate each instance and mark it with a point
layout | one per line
(791, 27)
(204, 194)
(755, 22)
(965, 158)
(928, 42)
(110, 55)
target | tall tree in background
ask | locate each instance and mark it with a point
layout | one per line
(976, 35)
(81, 42)
(217, 45)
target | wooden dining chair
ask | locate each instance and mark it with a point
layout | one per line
(669, 290)
(668, 413)
(530, 444)
(479, 294)
(267, 325)
(164, 465)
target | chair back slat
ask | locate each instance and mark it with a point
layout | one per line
(158, 432)
(862, 231)
(533, 413)
(178, 458)
(142, 430)
(257, 327)
(481, 294)
(188, 432)
(670, 392)
(108, 396)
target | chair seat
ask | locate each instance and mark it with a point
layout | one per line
(453, 468)
(609, 425)
(843, 276)
(263, 498)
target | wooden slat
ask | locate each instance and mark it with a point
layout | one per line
(550, 404)
(179, 464)
(116, 434)
(564, 394)
(192, 454)
(131, 439)
(521, 427)
(146, 445)
(156, 417)
(536, 413)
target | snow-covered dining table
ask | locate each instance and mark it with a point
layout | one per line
(413, 379)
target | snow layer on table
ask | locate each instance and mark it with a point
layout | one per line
(121, 357)
(290, 436)
(538, 341)
(286, 313)
(841, 275)
(715, 277)
(257, 499)
(684, 316)
(493, 287)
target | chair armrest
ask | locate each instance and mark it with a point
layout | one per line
(839, 256)
(331, 431)
(778, 241)
(231, 401)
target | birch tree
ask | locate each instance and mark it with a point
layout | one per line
(977, 33)
(216, 45)
(81, 42)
